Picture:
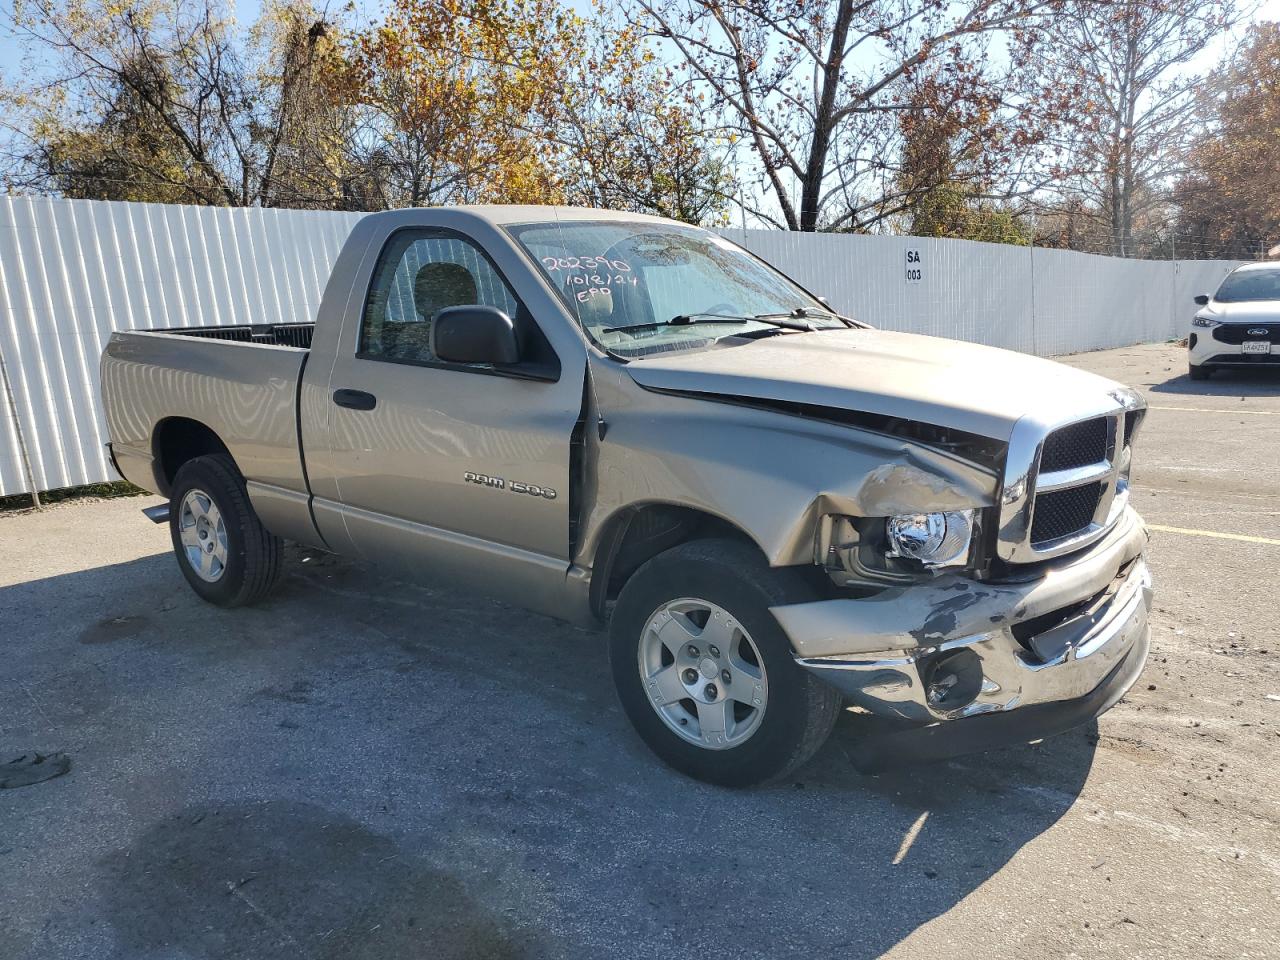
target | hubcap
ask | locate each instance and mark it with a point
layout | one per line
(203, 535)
(703, 673)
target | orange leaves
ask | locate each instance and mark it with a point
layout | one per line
(1231, 194)
(460, 90)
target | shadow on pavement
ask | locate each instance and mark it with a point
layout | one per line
(366, 768)
(1226, 382)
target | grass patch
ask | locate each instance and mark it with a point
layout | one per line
(101, 491)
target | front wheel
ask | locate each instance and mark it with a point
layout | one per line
(704, 672)
(226, 554)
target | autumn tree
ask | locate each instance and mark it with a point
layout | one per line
(301, 127)
(434, 101)
(631, 136)
(454, 96)
(1230, 197)
(814, 87)
(945, 185)
(1130, 61)
(161, 100)
(523, 101)
(121, 152)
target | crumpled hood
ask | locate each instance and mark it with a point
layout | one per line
(1249, 311)
(947, 383)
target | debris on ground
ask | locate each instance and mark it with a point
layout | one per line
(32, 768)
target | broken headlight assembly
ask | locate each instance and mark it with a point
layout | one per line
(885, 550)
(932, 539)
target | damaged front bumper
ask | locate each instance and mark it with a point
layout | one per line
(970, 666)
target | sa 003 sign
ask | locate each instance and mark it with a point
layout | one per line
(915, 265)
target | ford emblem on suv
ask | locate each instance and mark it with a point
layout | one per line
(1257, 331)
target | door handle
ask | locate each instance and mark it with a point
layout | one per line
(355, 399)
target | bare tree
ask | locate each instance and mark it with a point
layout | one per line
(157, 100)
(1136, 120)
(814, 87)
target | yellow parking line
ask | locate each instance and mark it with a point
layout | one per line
(1213, 533)
(1261, 413)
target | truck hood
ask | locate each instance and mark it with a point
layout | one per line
(947, 383)
(1248, 311)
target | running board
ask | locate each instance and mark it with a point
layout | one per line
(158, 513)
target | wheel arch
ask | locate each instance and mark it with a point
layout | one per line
(639, 532)
(177, 440)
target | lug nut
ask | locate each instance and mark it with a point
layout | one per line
(712, 692)
(724, 675)
(690, 676)
(693, 651)
(715, 651)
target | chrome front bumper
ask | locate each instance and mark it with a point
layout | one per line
(897, 644)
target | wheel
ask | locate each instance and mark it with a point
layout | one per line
(226, 554)
(704, 672)
(1198, 371)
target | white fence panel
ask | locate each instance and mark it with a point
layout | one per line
(1047, 302)
(73, 271)
(969, 291)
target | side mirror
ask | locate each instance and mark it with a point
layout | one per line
(474, 334)
(1202, 299)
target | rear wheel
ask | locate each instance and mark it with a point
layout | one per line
(223, 550)
(705, 673)
(1198, 371)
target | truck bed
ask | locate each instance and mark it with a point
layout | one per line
(270, 334)
(239, 382)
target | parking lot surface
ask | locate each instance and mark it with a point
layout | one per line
(363, 768)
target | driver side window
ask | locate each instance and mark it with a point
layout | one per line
(420, 273)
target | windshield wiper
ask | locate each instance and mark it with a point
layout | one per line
(787, 321)
(806, 312)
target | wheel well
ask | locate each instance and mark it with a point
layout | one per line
(177, 440)
(641, 533)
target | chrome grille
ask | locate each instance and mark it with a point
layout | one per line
(1078, 445)
(1061, 513)
(1062, 479)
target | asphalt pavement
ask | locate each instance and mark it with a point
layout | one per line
(364, 768)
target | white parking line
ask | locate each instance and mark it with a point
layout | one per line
(1260, 413)
(1213, 533)
(912, 832)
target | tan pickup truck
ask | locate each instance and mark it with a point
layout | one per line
(606, 417)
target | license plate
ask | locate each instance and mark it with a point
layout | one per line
(1255, 346)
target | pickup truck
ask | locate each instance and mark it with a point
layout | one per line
(780, 513)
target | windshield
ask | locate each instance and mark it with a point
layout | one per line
(641, 288)
(1245, 285)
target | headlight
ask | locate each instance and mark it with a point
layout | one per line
(934, 539)
(1203, 322)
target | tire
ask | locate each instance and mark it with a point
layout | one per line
(1198, 371)
(660, 610)
(240, 561)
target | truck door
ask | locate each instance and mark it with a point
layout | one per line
(451, 471)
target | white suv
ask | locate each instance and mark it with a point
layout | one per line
(1240, 325)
